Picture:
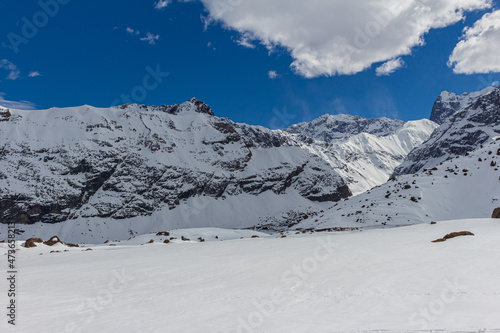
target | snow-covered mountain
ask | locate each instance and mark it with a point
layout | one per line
(465, 130)
(88, 163)
(329, 128)
(364, 151)
(448, 103)
(462, 187)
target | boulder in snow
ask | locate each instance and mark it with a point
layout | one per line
(32, 242)
(53, 240)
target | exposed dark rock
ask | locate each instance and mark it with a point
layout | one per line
(52, 241)
(31, 242)
(453, 235)
(4, 114)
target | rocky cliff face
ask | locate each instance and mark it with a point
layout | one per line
(134, 161)
(448, 104)
(466, 130)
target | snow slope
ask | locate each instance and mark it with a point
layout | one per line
(366, 160)
(244, 211)
(462, 187)
(363, 151)
(392, 280)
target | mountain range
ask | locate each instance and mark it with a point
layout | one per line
(93, 173)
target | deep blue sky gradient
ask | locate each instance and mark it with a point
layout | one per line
(85, 56)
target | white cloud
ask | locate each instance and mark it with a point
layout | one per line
(34, 74)
(272, 75)
(333, 37)
(245, 40)
(479, 50)
(162, 4)
(14, 72)
(390, 67)
(132, 31)
(22, 105)
(150, 38)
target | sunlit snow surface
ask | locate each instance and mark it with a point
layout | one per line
(393, 280)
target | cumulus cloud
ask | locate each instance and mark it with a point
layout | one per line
(331, 37)
(272, 75)
(34, 74)
(21, 105)
(150, 38)
(390, 67)
(479, 49)
(13, 71)
(162, 4)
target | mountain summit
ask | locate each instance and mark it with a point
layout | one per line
(449, 103)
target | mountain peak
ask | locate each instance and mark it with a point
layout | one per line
(193, 105)
(201, 107)
(465, 130)
(448, 103)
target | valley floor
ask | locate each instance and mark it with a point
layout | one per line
(392, 280)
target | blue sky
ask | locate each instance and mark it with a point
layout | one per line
(96, 52)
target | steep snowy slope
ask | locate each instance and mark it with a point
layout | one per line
(366, 160)
(463, 187)
(364, 151)
(466, 130)
(132, 161)
(449, 103)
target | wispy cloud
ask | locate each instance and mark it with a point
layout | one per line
(150, 38)
(14, 72)
(246, 40)
(390, 67)
(211, 45)
(34, 74)
(22, 105)
(162, 4)
(272, 74)
(132, 31)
